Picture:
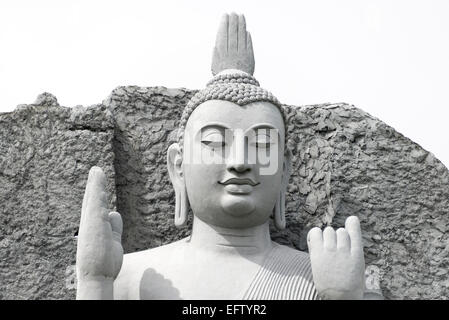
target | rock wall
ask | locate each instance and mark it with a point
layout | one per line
(345, 162)
(145, 122)
(46, 152)
(349, 163)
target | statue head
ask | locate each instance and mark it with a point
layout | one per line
(231, 164)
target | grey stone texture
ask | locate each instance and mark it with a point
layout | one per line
(146, 122)
(345, 162)
(46, 152)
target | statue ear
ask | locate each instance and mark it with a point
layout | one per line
(176, 173)
(279, 208)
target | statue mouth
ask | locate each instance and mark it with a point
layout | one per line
(239, 181)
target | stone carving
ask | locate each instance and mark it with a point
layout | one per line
(218, 169)
(345, 162)
(234, 47)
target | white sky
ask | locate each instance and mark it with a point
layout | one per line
(389, 58)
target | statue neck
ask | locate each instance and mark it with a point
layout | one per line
(248, 241)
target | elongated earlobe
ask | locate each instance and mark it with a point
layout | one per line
(181, 207)
(279, 208)
(279, 212)
(175, 171)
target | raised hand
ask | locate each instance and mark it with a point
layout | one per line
(99, 253)
(233, 47)
(337, 260)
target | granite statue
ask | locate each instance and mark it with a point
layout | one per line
(230, 166)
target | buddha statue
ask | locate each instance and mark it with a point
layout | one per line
(231, 167)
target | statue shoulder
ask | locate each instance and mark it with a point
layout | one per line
(135, 264)
(297, 261)
(289, 251)
(285, 274)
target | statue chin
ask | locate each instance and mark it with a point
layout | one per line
(238, 206)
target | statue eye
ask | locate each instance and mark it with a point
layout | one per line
(262, 139)
(213, 139)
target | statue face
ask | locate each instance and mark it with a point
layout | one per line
(233, 162)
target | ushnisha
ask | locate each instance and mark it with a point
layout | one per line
(229, 254)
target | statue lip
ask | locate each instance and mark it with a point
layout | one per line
(239, 181)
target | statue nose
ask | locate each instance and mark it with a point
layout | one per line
(237, 161)
(238, 167)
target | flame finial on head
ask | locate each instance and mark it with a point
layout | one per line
(233, 47)
(233, 68)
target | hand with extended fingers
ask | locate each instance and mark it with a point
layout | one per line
(338, 265)
(233, 47)
(99, 253)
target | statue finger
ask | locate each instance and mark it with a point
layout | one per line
(116, 225)
(242, 33)
(329, 238)
(84, 207)
(86, 197)
(96, 201)
(215, 67)
(249, 44)
(315, 238)
(343, 241)
(352, 226)
(250, 54)
(221, 42)
(233, 32)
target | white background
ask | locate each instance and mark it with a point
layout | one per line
(389, 58)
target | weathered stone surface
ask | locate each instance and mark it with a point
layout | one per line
(345, 162)
(146, 120)
(46, 152)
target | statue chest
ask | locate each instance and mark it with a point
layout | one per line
(200, 278)
(179, 273)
